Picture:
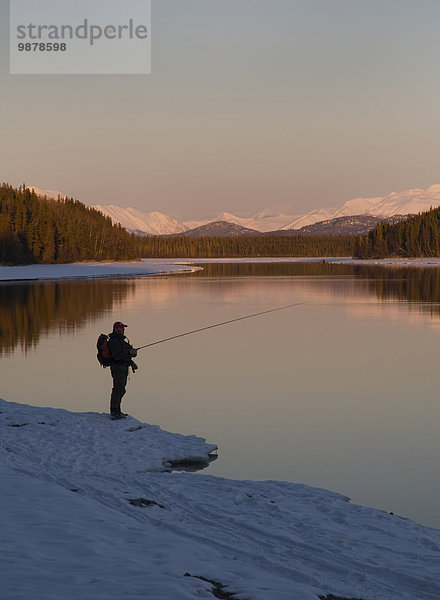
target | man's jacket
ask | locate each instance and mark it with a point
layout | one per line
(120, 349)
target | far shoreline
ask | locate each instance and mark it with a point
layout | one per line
(148, 267)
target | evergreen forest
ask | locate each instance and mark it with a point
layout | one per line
(42, 230)
(34, 229)
(416, 236)
(242, 246)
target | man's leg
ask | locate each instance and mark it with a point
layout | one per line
(119, 374)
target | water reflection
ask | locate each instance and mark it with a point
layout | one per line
(332, 393)
(30, 310)
(385, 283)
(272, 269)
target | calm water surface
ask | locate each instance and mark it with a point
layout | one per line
(341, 392)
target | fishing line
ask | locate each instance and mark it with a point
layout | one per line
(263, 312)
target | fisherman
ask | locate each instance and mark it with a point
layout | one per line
(122, 354)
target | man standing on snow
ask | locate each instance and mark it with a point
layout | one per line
(122, 353)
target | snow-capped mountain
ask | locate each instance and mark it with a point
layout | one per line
(153, 223)
(407, 202)
(48, 193)
(264, 220)
(351, 225)
(411, 201)
(220, 229)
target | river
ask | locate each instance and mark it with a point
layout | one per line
(340, 391)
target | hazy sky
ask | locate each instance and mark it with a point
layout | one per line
(288, 104)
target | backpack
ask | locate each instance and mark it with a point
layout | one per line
(104, 355)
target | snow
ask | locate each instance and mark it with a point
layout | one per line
(162, 266)
(92, 270)
(314, 216)
(70, 531)
(406, 202)
(264, 220)
(48, 193)
(411, 201)
(153, 223)
(389, 262)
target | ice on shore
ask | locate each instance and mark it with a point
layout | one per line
(92, 270)
(162, 266)
(89, 509)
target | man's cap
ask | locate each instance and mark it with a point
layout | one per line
(119, 325)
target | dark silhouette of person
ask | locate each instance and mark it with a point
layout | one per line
(122, 354)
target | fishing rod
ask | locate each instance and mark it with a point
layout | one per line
(257, 314)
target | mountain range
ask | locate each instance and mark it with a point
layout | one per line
(368, 211)
(153, 223)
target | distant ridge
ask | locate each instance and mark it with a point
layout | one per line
(407, 202)
(396, 205)
(354, 225)
(153, 223)
(220, 229)
(48, 193)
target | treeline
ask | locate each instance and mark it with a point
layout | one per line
(417, 236)
(253, 246)
(42, 230)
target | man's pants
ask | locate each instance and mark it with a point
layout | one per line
(120, 375)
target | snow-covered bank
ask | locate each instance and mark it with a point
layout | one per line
(93, 270)
(163, 266)
(346, 260)
(388, 262)
(88, 511)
